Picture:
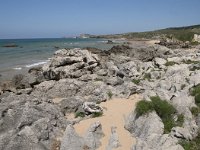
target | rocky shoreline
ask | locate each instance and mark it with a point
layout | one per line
(34, 107)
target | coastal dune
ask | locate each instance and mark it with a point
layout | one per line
(115, 113)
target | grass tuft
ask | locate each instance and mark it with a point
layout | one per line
(110, 94)
(195, 111)
(147, 76)
(136, 81)
(97, 114)
(79, 114)
(170, 63)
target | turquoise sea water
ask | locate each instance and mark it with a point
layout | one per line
(32, 52)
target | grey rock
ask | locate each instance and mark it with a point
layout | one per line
(144, 126)
(114, 81)
(71, 140)
(70, 104)
(29, 124)
(91, 141)
(70, 63)
(93, 136)
(114, 140)
(160, 62)
(91, 107)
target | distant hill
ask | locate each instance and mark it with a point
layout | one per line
(181, 33)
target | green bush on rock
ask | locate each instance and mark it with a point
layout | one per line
(143, 107)
(164, 110)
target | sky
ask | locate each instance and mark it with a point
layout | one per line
(58, 18)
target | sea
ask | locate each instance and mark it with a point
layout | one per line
(19, 55)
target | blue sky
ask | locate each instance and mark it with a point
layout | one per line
(57, 18)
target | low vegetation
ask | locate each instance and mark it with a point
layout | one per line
(181, 33)
(143, 107)
(164, 110)
(147, 76)
(97, 114)
(79, 114)
(170, 63)
(195, 111)
(191, 145)
(136, 81)
(110, 94)
(190, 62)
(195, 68)
(195, 91)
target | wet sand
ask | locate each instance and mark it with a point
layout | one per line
(115, 113)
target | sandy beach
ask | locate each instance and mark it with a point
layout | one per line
(115, 113)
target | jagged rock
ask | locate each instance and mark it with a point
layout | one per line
(71, 140)
(182, 133)
(114, 140)
(114, 81)
(164, 142)
(112, 68)
(130, 69)
(144, 126)
(149, 132)
(183, 101)
(93, 136)
(26, 124)
(102, 72)
(160, 62)
(91, 141)
(70, 104)
(91, 107)
(70, 63)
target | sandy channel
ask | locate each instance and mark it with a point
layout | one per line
(115, 112)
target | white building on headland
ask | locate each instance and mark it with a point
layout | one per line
(196, 38)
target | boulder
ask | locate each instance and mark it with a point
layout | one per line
(160, 62)
(93, 136)
(114, 140)
(26, 124)
(71, 140)
(91, 107)
(91, 141)
(70, 104)
(70, 63)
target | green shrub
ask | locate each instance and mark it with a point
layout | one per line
(143, 107)
(110, 94)
(170, 63)
(136, 81)
(195, 90)
(190, 62)
(165, 111)
(180, 120)
(194, 43)
(163, 108)
(168, 124)
(197, 99)
(79, 114)
(147, 76)
(195, 111)
(97, 114)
